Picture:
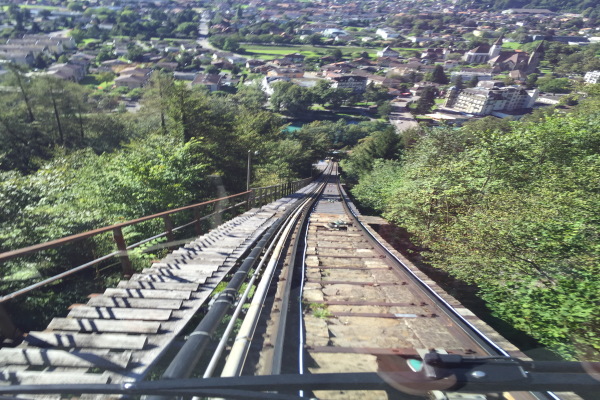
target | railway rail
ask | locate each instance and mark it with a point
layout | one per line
(319, 305)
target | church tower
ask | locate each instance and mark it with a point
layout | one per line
(496, 47)
(535, 58)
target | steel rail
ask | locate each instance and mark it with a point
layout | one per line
(240, 357)
(239, 351)
(238, 309)
(190, 354)
(469, 329)
(274, 364)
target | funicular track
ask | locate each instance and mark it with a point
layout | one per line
(334, 313)
(360, 309)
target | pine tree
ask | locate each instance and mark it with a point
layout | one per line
(439, 76)
(458, 82)
(426, 101)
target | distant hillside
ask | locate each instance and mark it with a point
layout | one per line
(554, 5)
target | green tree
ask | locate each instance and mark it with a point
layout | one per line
(458, 82)
(315, 39)
(251, 96)
(339, 96)
(322, 91)
(384, 109)
(473, 81)
(376, 94)
(336, 54)
(531, 80)
(134, 52)
(554, 85)
(495, 205)
(290, 97)
(439, 76)
(426, 101)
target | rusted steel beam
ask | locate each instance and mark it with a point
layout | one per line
(382, 315)
(122, 246)
(404, 352)
(344, 256)
(169, 230)
(377, 351)
(367, 303)
(355, 283)
(352, 268)
(345, 248)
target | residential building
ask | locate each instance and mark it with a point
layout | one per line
(592, 77)
(18, 57)
(467, 75)
(387, 33)
(252, 63)
(529, 11)
(68, 71)
(131, 81)
(388, 52)
(485, 101)
(295, 58)
(358, 84)
(483, 53)
(133, 78)
(212, 82)
(334, 32)
(268, 81)
(287, 72)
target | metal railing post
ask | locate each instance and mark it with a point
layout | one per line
(169, 229)
(7, 327)
(122, 247)
(197, 225)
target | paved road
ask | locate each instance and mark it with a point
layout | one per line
(401, 118)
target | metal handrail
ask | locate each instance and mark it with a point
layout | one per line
(73, 238)
(253, 196)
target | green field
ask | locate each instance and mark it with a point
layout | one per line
(512, 45)
(43, 7)
(271, 52)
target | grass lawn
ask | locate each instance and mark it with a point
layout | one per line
(512, 45)
(91, 80)
(439, 101)
(42, 7)
(86, 41)
(270, 52)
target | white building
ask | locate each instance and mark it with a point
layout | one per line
(387, 33)
(483, 53)
(356, 83)
(388, 52)
(592, 77)
(483, 101)
(334, 32)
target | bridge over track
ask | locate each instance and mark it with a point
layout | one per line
(335, 313)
